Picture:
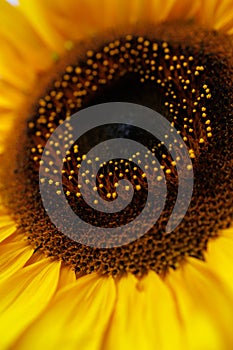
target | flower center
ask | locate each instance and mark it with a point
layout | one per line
(184, 73)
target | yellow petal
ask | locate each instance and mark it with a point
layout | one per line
(219, 258)
(156, 11)
(40, 18)
(7, 227)
(77, 319)
(6, 124)
(217, 14)
(59, 21)
(145, 316)
(67, 276)
(205, 306)
(13, 257)
(14, 69)
(9, 94)
(22, 39)
(24, 296)
(77, 19)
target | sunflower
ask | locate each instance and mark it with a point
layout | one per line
(162, 291)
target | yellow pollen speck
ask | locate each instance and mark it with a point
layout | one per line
(129, 37)
(78, 70)
(155, 47)
(90, 53)
(69, 69)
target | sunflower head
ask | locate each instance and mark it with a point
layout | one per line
(175, 60)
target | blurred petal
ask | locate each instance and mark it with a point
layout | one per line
(24, 296)
(219, 258)
(13, 257)
(77, 318)
(217, 14)
(145, 316)
(205, 306)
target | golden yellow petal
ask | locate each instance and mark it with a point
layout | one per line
(7, 119)
(77, 318)
(217, 14)
(22, 38)
(67, 276)
(14, 69)
(219, 258)
(24, 296)
(59, 21)
(7, 227)
(72, 20)
(13, 257)
(42, 20)
(205, 306)
(145, 316)
(160, 10)
(8, 94)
